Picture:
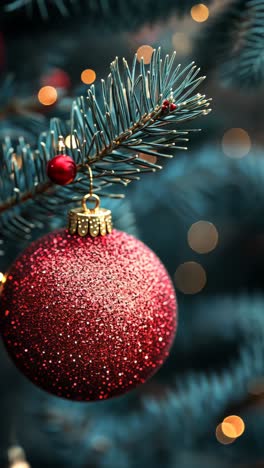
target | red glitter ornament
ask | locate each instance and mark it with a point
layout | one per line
(88, 318)
(61, 169)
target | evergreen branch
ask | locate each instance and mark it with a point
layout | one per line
(112, 137)
(236, 38)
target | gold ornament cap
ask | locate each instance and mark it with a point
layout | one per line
(95, 221)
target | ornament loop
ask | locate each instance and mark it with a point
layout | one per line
(90, 197)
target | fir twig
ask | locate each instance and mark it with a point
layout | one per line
(114, 138)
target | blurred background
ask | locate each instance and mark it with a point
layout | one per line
(205, 407)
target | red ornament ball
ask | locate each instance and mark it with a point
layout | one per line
(61, 169)
(88, 318)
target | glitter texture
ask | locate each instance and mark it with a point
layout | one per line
(88, 319)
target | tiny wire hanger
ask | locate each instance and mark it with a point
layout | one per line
(90, 195)
(91, 179)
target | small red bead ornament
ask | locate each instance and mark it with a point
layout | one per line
(165, 105)
(168, 106)
(173, 107)
(61, 169)
(89, 313)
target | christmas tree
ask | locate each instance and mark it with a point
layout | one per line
(201, 215)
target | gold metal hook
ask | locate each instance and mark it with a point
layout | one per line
(91, 179)
(90, 196)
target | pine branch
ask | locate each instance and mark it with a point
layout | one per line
(113, 138)
(236, 38)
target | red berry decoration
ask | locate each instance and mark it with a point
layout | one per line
(173, 107)
(165, 108)
(61, 169)
(88, 318)
(168, 106)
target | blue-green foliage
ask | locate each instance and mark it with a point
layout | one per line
(111, 136)
(235, 37)
(207, 186)
(130, 11)
(246, 66)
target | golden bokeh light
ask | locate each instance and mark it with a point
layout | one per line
(16, 453)
(47, 95)
(221, 437)
(16, 456)
(229, 430)
(2, 278)
(190, 278)
(182, 42)
(236, 143)
(146, 52)
(237, 424)
(88, 76)
(203, 237)
(71, 142)
(20, 464)
(200, 13)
